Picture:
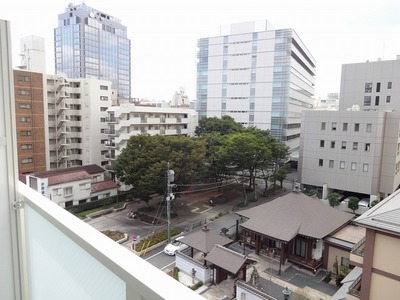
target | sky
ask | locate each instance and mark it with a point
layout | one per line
(163, 34)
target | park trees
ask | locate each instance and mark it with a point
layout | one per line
(143, 163)
(224, 126)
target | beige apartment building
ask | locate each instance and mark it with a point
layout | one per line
(30, 121)
(356, 149)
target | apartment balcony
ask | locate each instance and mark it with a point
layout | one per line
(111, 120)
(110, 131)
(110, 156)
(357, 252)
(110, 143)
(88, 264)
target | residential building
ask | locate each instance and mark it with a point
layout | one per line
(72, 186)
(31, 131)
(40, 239)
(91, 43)
(375, 255)
(77, 111)
(356, 149)
(136, 119)
(260, 76)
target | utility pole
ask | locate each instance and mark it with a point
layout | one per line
(169, 198)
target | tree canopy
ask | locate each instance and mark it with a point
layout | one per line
(144, 162)
(225, 125)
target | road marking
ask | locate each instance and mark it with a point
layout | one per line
(154, 255)
(167, 266)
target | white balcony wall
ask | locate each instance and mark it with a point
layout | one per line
(69, 259)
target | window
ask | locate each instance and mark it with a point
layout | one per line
(389, 86)
(27, 160)
(23, 92)
(353, 166)
(376, 100)
(25, 119)
(332, 144)
(341, 165)
(367, 147)
(369, 128)
(344, 145)
(344, 126)
(322, 143)
(355, 145)
(68, 191)
(57, 192)
(84, 186)
(103, 98)
(378, 87)
(365, 167)
(69, 204)
(323, 125)
(333, 126)
(22, 78)
(321, 162)
(357, 127)
(103, 108)
(368, 87)
(24, 106)
(387, 99)
(367, 100)
(345, 261)
(26, 146)
(104, 87)
(330, 163)
(25, 133)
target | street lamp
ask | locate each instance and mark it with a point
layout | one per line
(286, 293)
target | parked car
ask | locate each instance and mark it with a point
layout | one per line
(364, 202)
(175, 245)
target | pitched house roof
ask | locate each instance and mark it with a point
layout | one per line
(293, 214)
(384, 216)
(227, 259)
(204, 240)
(103, 185)
(68, 177)
(90, 169)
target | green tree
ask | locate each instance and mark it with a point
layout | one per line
(225, 125)
(353, 203)
(333, 199)
(143, 163)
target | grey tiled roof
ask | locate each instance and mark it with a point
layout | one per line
(204, 240)
(293, 214)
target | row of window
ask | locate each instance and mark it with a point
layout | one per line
(342, 165)
(368, 87)
(345, 126)
(367, 100)
(367, 146)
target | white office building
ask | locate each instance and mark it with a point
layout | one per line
(77, 111)
(356, 149)
(260, 76)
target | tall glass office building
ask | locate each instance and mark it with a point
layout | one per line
(260, 76)
(88, 43)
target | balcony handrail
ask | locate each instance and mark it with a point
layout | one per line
(142, 279)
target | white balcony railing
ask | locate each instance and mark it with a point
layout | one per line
(69, 259)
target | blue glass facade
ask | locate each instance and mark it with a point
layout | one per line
(89, 43)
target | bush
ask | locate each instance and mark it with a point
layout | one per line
(327, 277)
(175, 274)
(196, 285)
